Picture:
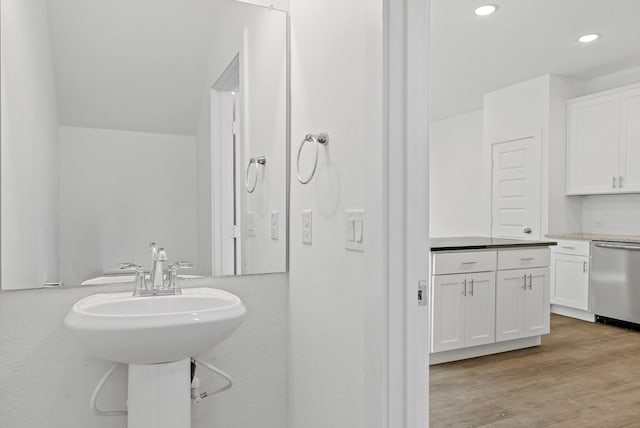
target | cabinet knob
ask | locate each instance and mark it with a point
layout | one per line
(527, 230)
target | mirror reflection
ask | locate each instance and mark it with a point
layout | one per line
(130, 122)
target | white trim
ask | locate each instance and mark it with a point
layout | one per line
(573, 313)
(406, 198)
(482, 350)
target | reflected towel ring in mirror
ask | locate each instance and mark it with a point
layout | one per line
(322, 138)
(260, 160)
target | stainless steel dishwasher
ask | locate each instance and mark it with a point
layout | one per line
(615, 282)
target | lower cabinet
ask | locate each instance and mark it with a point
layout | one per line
(570, 281)
(465, 311)
(522, 303)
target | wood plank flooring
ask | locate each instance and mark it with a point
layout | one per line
(583, 375)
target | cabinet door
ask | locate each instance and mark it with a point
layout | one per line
(447, 312)
(629, 180)
(510, 286)
(593, 145)
(570, 281)
(536, 306)
(480, 309)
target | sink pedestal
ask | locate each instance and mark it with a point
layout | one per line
(160, 395)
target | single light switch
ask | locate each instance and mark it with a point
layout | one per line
(306, 227)
(359, 232)
(350, 230)
(354, 234)
(275, 225)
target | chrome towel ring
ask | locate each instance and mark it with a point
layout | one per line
(260, 160)
(322, 138)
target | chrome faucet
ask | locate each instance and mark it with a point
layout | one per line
(158, 258)
(156, 285)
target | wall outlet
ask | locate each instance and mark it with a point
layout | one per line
(354, 230)
(275, 225)
(251, 224)
(307, 226)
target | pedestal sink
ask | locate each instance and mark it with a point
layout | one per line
(156, 336)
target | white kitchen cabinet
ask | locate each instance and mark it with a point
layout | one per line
(593, 145)
(464, 313)
(603, 147)
(570, 270)
(570, 281)
(522, 303)
(629, 180)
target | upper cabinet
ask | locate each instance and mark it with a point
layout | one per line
(604, 143)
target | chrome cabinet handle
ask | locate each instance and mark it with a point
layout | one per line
(464, 292)
(527, 230)
(469, 263)
(613, 185)
(568, 248)
(471, 292)
(530, 281)
(584, 267)
(620, 181)
(524, 278)
(527, 259)
(618, 246)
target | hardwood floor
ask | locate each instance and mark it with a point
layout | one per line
(583, 375)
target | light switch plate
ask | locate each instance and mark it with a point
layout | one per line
(275, 225)
(307, 225)
(251, 224)
(354, 233)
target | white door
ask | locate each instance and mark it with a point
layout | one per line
(629, 179)
(570, 281)
(516, 188)
(510, 286)
(536, 303)
(480, 309)
(593, 145)
(448, 314)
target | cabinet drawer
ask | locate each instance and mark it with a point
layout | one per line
(572, 247)
(520, 259)
(464, 261)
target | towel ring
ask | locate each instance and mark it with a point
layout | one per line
(260, 160)
(322, 138)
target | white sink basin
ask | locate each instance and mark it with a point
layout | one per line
(156, 329)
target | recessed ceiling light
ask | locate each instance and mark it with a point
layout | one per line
(485, 10)
(588, 38)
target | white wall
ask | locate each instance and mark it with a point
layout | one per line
(29, 147)
(120, 190)
(459, 191)
(46, 379)
(336, 88)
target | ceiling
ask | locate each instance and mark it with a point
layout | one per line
(135, 65)
(473, 55)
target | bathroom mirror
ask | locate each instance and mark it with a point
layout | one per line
(130, 121)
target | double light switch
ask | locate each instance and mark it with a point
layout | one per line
(354, 239)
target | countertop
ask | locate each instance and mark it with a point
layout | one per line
(482, 243)
(595, 237)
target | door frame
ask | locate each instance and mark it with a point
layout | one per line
(406, 213)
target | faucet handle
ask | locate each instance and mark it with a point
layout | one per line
(128, 266)
(184, 265)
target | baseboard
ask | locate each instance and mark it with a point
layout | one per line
(573, 313)
(482, 350)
